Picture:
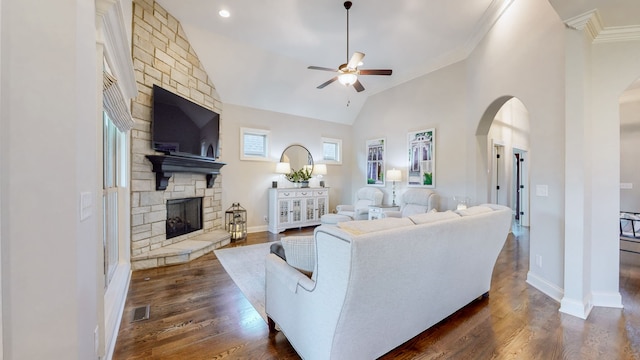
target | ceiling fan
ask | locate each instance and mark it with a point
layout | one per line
(348, 72)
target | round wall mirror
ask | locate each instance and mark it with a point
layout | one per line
(297, 156)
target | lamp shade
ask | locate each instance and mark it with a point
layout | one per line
(320, 169)
(394, 175)
(283, 168)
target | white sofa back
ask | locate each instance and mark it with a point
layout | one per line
(372, 291)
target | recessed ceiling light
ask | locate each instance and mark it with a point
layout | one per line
(224, 13)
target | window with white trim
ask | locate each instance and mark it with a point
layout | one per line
(114, 177)
(254, 144)
(331, 151)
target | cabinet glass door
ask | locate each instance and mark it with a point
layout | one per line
(284, 208)
(322, 206)
(296, 210)
(310, 209)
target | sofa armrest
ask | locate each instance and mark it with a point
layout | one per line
(287, 275)
(345, 208)
(391, 213)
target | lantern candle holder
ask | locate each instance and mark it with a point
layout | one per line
(236, 222)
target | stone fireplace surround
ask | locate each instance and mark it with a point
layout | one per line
(163, 56)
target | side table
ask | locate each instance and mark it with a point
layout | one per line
(375, 211)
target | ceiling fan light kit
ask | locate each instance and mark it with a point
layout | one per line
(347, 79)
(348, 72)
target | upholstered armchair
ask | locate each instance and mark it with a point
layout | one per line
(360, 209)
(415, 201)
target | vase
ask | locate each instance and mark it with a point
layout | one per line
(304, 184)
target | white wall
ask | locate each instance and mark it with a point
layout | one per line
(453, 100)
(3, 150)
(247, 182)
(49, 129)
(432, 101)
(506, 63)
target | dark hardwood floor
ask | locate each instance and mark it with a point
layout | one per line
(197, 312)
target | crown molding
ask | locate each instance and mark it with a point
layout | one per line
(591, 23)
(619, 33)
(486, 22)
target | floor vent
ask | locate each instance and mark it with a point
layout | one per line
(141, 313)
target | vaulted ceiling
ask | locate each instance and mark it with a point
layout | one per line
(258, 57)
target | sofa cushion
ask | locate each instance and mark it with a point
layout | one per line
(358, 227)
(474, 210)
(430, 217)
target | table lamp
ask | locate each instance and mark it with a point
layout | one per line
(282, 168)
(394, 175)
(319, 170)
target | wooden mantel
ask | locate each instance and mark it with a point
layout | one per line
(165, 165)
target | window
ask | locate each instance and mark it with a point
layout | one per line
(332, 151)
(254, 144)
(113, 176)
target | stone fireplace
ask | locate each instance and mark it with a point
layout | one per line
(163, 56)
(183, 216)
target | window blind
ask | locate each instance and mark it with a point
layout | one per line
(115, 104)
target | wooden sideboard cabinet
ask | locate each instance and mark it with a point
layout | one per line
(296, 207)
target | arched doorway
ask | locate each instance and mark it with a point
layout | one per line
(629, 174)
(503, 136)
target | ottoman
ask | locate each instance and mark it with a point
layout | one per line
(333, 219)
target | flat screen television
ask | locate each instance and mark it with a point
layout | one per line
(182, 127)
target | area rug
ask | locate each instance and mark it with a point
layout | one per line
(245, 266)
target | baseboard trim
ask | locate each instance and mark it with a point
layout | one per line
(612, 300)
(549, 289)
(580, 309)
(255, 229)
(114, 302)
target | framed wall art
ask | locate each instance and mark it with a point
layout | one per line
(422, 158)
(375, 162)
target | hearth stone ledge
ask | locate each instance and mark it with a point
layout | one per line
(183, 251)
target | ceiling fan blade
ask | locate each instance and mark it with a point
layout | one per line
(327, 82)
(358, 86)
(321, 68)
(375, 72)
(355, 60)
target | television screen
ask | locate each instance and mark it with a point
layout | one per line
(182, 127)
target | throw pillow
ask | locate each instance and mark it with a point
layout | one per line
(433, 217)
(358, 227)
(300, 252)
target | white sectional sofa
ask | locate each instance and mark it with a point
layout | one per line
(377, 284)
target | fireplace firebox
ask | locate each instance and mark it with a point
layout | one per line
(183, 216)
